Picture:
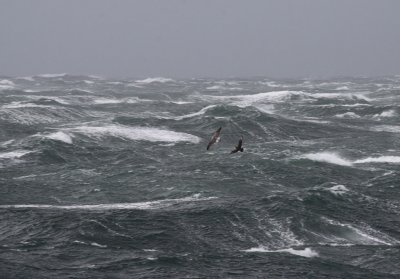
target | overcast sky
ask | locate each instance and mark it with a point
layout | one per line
(203, 38)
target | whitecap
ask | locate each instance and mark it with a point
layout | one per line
(156, 79)
(6, 84)
(14, 105)
(338, 189)
(60, 136)
(104, 101)
(251, 99)
(39, 97)
(180, 102)
(27, 78)
(358, 96)
(98, 245)
(381, 159)
(347, 115)
(114, 206)
(14, 154)
(386, 128)
(327, 157)
(307, 252)
(136, 133)
(342, 88)
(200, 112)
(52, 75)
(363, 234)
(386, 113)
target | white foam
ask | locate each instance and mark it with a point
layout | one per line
(333, 158)
(381, 159)
(52, 75)
(14, 154)
(27, 78)
(215, 87)
(327, 157)
(347, 115)
(307, 252)
(6, 84)
(37, 97)
(364, 234)
(5, 143)
(386, 113)
(342, 88)
(60, 136)
(386, 128)
(200, 112)
(88, 81)
(180, 102)
(113, 206)
(136, 133)
(104, 101)
(338, 189)
(250, 99)
(14, 105)
(98, 245)
(107, 101)
(156, 79)
(358, 96)
(80, 90)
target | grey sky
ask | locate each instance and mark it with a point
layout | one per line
(204, 38)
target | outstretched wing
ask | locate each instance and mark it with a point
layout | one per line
(239, 146)
(215, 138)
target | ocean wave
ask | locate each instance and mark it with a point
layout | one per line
(250, 99)
(14, 154)
(60, 136)
(356, 96)
(14, 105)
(333, 158)
(386, 113)
(200, 112)
(338, 189)
(327, 157)
(386, 128)
(156, 79)
(306, 252)
(221, 87)
(6, 84)
(59, 100)
(52, 75)
(131, 100)
(347, 115)
(343, 88)
(363, 234)
(27, 78)
(381, 159)
(136, 133)
(283, 96)
(115, 206)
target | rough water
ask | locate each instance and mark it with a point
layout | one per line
(104, 178)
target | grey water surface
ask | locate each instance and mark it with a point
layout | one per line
(104, 178)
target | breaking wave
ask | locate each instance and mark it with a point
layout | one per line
(136, 133)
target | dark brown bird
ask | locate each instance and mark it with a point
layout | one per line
(214, 138)
(239, 146)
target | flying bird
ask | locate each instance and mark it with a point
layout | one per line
(215, 138)
(239, 146)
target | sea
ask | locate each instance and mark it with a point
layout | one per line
(111, 178)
